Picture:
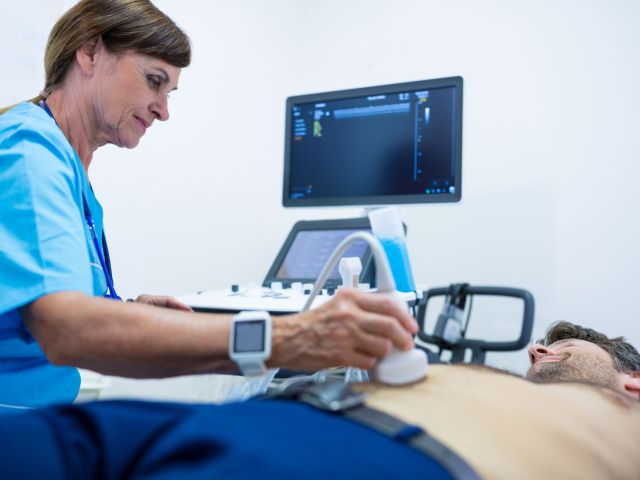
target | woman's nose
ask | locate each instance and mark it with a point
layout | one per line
(160, 109)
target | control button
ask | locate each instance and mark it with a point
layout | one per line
(296, 286)
(276, 286)
(307, 291)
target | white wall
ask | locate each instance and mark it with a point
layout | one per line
(551, 141)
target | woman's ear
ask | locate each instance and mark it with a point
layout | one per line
(86, 54)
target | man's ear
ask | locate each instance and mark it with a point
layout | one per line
(631, 384)
(86, 55)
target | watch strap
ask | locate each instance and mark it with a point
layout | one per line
(252, 369)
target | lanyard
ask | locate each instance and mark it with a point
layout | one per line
(105, 261)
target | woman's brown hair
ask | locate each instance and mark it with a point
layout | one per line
(122, 25)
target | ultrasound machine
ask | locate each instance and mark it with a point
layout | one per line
(375, 146)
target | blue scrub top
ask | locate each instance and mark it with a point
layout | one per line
(45, 247)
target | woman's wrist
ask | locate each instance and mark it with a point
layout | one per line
(286, 346)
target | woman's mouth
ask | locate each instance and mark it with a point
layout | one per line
(142, 123)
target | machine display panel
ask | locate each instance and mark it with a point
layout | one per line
(310, 251)
(308, 247)
(382, 145)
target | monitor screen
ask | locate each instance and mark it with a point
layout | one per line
(383, 145)
(310, 251)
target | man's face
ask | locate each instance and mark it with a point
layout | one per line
(573, 360)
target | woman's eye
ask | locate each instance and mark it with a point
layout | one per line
(154, 82)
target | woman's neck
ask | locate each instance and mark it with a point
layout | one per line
(76, 121)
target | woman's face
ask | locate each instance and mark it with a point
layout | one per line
(131, 91)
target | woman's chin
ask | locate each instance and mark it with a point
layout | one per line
(128, 142)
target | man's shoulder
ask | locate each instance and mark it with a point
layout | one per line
(509, 383)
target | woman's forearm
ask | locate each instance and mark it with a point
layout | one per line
(128, 339)
(145, 341)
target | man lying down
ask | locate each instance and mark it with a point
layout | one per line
(576, 415)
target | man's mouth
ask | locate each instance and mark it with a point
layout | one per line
(552, 358)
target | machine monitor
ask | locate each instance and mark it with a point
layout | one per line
(390, 144)
(309, 246)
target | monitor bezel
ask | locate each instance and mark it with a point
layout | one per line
(455, 82)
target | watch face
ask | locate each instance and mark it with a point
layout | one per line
(249, 336)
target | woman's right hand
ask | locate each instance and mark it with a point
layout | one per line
(162, 301)
(353, 329)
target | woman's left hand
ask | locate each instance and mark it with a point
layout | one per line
(163, 301)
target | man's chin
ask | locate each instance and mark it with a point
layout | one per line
(546, 372)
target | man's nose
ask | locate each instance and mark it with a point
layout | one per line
(536, 351)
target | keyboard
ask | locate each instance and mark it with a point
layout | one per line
(272, 299)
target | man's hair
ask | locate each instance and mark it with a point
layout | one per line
(625, 357)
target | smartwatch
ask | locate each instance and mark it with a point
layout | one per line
(250, 342)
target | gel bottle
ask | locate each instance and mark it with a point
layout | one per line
(387, 228)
